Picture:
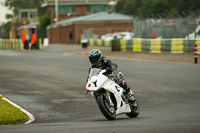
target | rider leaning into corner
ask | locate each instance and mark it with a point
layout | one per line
(98, 61)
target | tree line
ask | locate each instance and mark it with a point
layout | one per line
(159, 8)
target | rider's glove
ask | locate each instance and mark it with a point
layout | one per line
(107, 69)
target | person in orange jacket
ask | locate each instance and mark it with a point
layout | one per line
(33, 39)
(23, 36)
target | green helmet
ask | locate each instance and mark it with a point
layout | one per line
(95, 56)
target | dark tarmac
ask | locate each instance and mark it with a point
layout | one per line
(51, 85)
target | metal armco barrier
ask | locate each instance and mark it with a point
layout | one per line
(15, 44)
(174, 46)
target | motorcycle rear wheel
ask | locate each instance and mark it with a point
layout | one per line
(134, 110)
(107, 110)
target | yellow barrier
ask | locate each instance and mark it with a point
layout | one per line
(99, 42)
(107, 43)
(40, 43)
(177, 45)
(21, 45)
(123, 45)
(91, 42)
(9, 43)
(15, 44)
(6, 44)
(18, 44)
(155, 46)
(198, 44)
(137, 45)
(1, 44)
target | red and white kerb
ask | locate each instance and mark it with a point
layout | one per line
(195, 53)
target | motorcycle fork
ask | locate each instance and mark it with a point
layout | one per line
(110, 99)
(107, 92)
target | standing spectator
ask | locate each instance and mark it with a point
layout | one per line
(114, 34)
(23, 36)
(153, 34)
(33, 39)
(71, 37)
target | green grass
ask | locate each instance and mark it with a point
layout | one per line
(10, 115)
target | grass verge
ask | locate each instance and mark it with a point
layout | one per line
(10, 115)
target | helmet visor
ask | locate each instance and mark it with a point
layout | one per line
(94, 59)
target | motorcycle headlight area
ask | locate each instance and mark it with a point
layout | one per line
(94, 79)
(91, 86)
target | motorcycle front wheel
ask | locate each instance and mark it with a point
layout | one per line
(106, 108)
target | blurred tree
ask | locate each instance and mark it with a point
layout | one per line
(44, 22)
(43, 13)
(156, 7)
(4, 28)
(9, 16)
(15, 5)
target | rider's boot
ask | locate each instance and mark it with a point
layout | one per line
(128, 92)
(130, 95)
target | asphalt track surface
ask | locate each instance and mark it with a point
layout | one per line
(51, 85)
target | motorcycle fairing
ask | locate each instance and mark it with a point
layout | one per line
(114, 88)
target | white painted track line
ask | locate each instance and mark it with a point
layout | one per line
(31, 117)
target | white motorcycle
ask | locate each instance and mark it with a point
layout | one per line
(109, 95)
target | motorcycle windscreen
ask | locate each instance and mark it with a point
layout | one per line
(94, 72)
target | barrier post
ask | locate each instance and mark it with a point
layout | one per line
(91, 42)
(123, 45)
(40, 43)
(1, 43)
(195, 54)
(10, 43)
(7, 43)
(99, 42)
(21, 44)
